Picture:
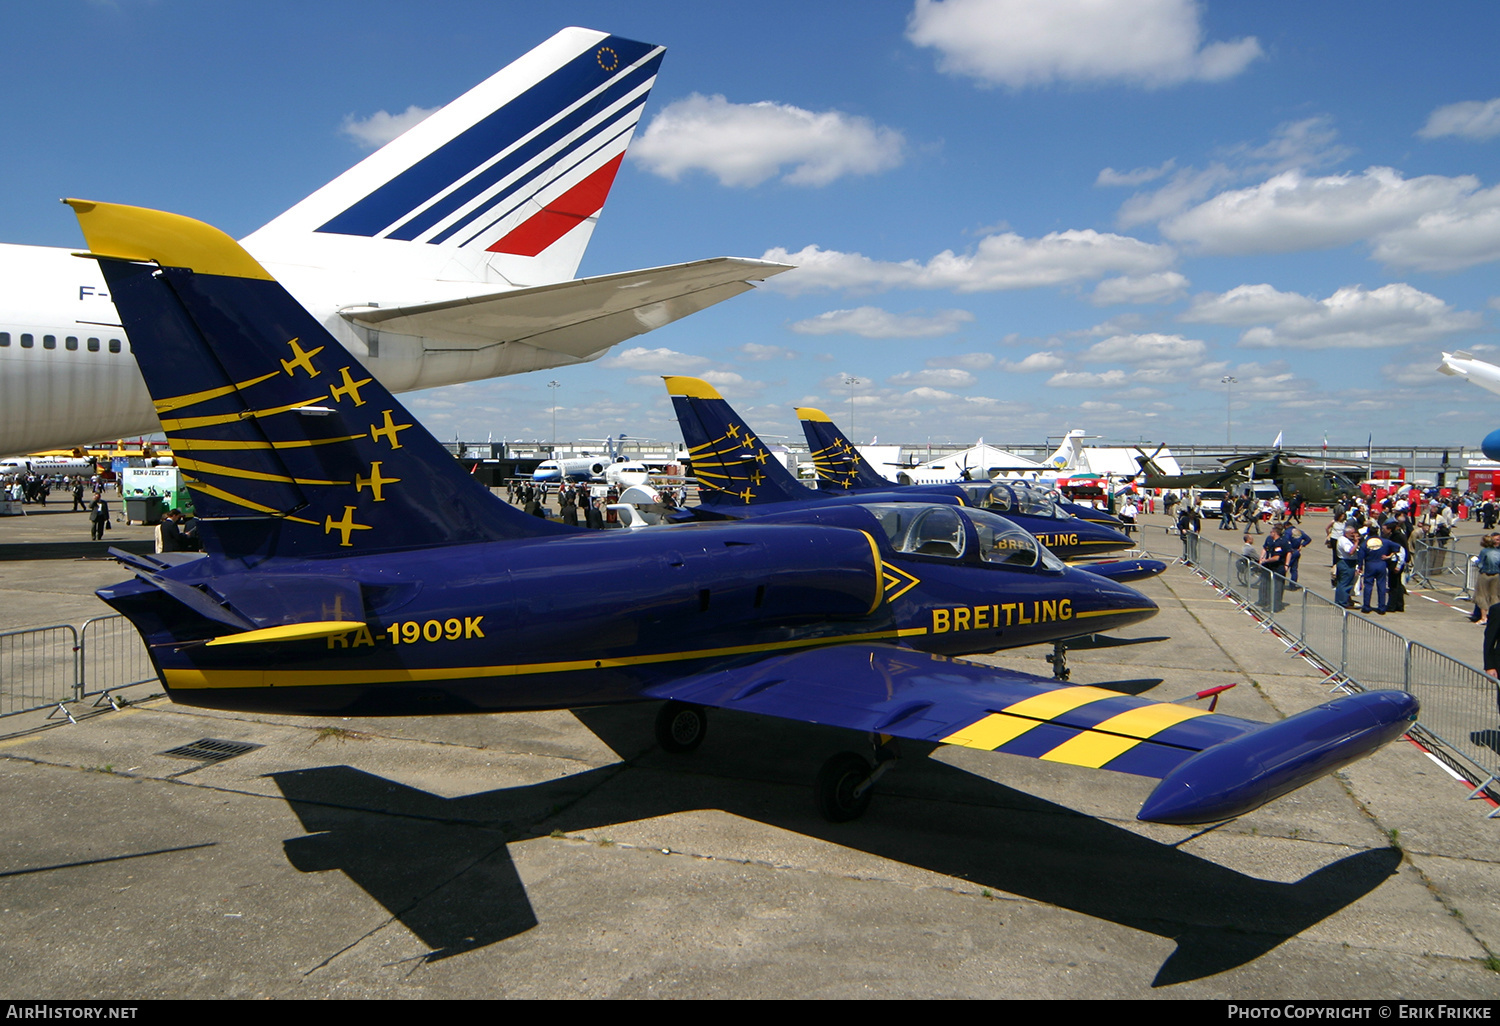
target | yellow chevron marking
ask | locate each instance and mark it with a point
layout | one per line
(206, 444)
(879, 565)
(301, 359)
(188, 423)
(198, 466)
(178, 402)
(219, 493)
(1119, 734)
(897, 581)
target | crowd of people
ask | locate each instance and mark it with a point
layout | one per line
(577, 505)
(1370, 543)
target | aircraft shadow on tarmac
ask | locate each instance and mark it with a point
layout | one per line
(73, 550)
(441, 866)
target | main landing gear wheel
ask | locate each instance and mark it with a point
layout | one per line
(680, 727)
(844, 787)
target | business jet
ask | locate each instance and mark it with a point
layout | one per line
(447, 255)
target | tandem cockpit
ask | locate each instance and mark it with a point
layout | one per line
(961, 534)
(1004, 497)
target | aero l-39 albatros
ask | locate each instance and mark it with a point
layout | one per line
(350, 566)
(448, 255)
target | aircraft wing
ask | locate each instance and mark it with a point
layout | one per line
(1211, 767)
(579, 318)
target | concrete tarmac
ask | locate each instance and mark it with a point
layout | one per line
(562, 854)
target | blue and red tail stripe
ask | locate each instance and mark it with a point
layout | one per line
(517, 153)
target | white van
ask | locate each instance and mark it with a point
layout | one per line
(1211, 501)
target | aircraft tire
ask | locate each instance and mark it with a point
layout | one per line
(680, 727)
(835, 786)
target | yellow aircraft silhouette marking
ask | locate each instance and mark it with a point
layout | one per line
(300, 359)
(344, 526)
(389, 431)
(349, 388)
(734, 431)
(374, 482)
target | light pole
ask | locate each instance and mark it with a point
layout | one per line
(554, 386)
(1228, 383)
(851, 381)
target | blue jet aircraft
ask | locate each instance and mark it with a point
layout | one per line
(738, 476)
(840, 465)
(351, 566)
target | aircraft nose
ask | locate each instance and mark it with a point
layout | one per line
(1104, 604)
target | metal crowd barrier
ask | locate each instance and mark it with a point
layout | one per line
(38, 668)
(1460, 703)
(48, 667)
(1436, 563)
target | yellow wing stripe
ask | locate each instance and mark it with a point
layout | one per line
(178, 402)
(991, 732)
(1050, 704)
(199, 467)
(187, 423)
(1119, 734)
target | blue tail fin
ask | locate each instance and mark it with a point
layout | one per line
(290, 446)
(840, 465)
(732, 466)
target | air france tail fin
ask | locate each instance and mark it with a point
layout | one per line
(290, 446)
(503, 185)
(840, 465)
(733, 467)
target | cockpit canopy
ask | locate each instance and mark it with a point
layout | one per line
(960, 533)
(1016, 497)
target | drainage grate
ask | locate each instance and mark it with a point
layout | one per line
(211, 749)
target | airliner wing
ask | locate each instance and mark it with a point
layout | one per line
(579, 318)
(1211, 766)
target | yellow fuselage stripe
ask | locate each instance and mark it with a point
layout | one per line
(190, 679)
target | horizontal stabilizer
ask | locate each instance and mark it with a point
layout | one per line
(1212, 766)
(289, 632)
(579, 318)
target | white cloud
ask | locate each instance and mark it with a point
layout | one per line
(1005, 261)
(1292, 211)
(1140, 176)
(1152, 350)
(944, 377)
(1246, 304)
(744, 144)
(758, 352)
(968, 361)
(1147, 288)
(381, 127)
(873, 322)
(1300, 145)
(1449, 239)
(721, 379)
(1021, 43)
(1087, 379)
(668, 361)
(1354, 318)
(1472, 119)
(1046, 360)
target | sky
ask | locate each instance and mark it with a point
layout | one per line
(1011, 218)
